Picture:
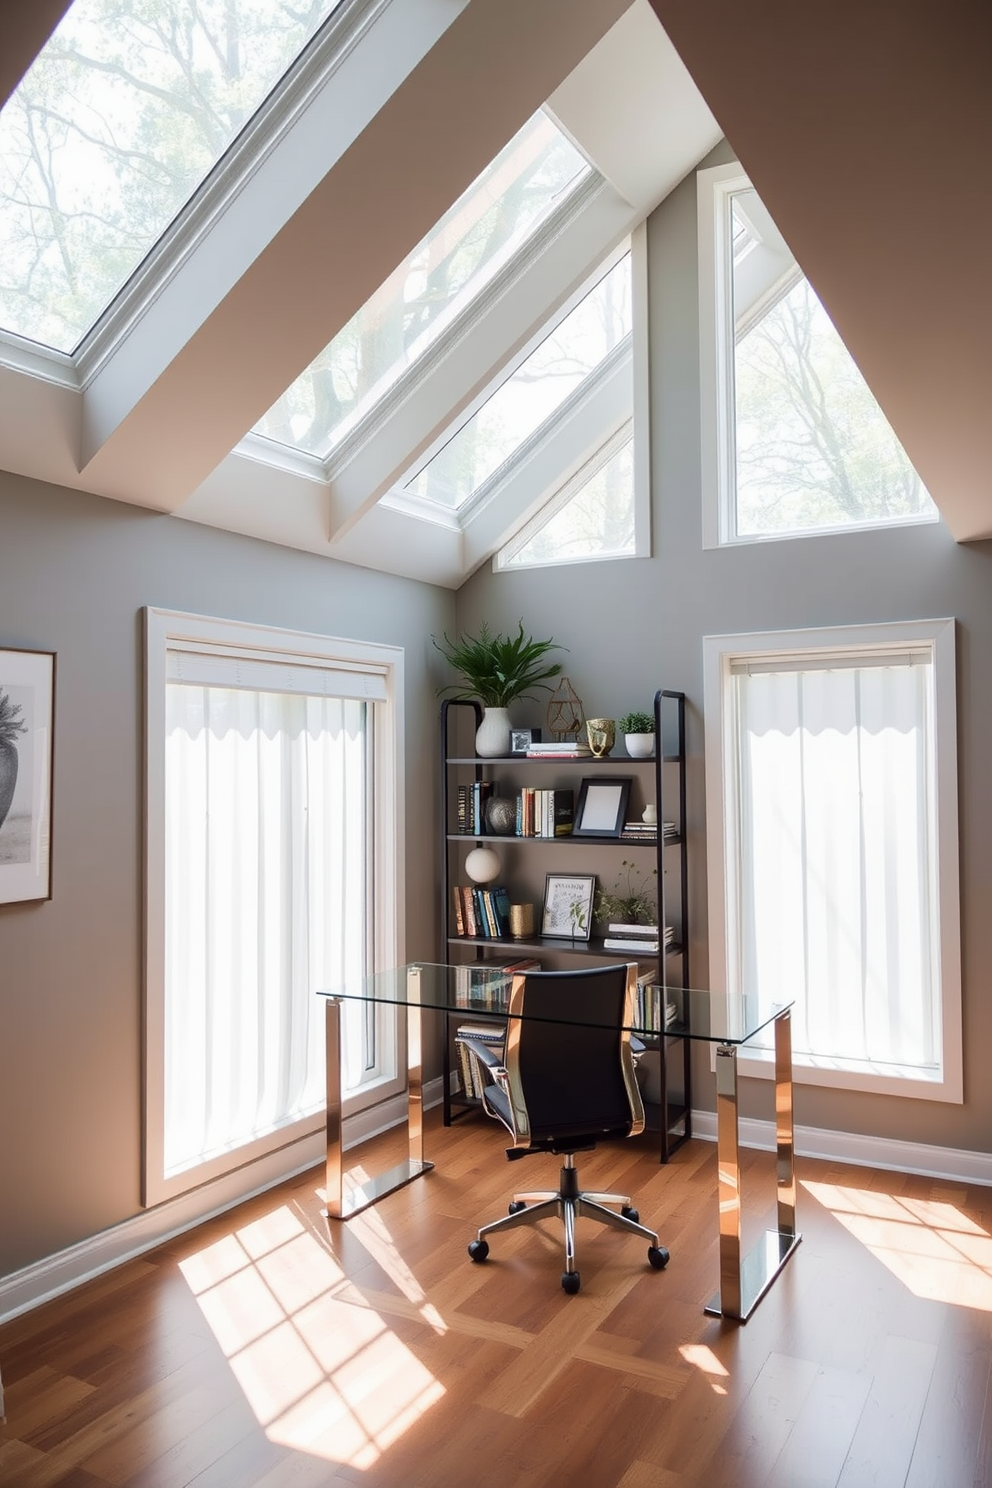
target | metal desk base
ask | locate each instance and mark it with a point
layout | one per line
(341, 1205)
(744, 1282)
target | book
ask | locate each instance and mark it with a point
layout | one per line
(629, 943)
(626, 928)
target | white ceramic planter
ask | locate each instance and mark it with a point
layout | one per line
(639, 746)
(492, 737)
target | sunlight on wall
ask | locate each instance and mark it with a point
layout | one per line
(933, 1248)
(319, 1367)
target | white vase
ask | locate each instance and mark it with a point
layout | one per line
(639, 746)
(493, 734)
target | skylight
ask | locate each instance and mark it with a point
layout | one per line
(489, 224)
(565, 360)
(123, 114)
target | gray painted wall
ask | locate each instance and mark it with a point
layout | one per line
(636, 625)
(75, 573)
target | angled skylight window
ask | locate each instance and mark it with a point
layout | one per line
(488, 225)
(592, 517)
(123, 114)
(578, 347)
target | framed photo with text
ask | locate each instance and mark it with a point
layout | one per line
(27, 706)
(568, 905)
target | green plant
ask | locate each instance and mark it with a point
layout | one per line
(11, 725)
(636, 723)
(496, 669)
(633, 899)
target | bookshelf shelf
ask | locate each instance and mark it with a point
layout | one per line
(665, 1061)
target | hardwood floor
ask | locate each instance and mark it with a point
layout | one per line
(263, 1351)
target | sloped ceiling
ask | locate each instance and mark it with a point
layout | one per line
(866, 127)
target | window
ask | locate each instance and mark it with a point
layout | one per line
(123, 114)
(268, 757)
(595, 333)
(592, 516)
(793, 441)
(832, 844)
(486, 229)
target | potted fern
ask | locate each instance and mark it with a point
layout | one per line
(638, 732)
(497, 669)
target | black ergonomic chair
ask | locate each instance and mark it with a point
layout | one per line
(566, 1081)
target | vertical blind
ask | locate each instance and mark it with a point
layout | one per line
(267, 834)
(836, 836)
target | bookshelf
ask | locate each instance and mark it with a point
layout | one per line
(526, 860)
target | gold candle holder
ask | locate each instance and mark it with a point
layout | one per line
(521, 921)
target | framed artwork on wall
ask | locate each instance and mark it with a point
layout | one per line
(27, 708)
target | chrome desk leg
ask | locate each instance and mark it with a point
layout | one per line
(784, 1140)
(341, 1205)
(332, 1058)
(744, 1283)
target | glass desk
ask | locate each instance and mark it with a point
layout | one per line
(723, 1019)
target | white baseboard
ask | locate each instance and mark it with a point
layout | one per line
(26, 1289)
(23, 1290)
(887, 1153)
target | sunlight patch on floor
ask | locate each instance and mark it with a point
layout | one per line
(931, 1246)
(706, 1361)
(320, 1368)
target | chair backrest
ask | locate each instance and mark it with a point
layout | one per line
(575, 1078)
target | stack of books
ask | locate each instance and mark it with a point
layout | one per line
(481, 913)
(545, 813)
(637, 940)
(651, 997)
(640, 831)
(560, 749)
(486, 987)
(472, 807)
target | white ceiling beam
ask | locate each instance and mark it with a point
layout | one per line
(224, 337)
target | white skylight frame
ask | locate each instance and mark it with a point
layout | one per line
(771, 272)
(343, 18)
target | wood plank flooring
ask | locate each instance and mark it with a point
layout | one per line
(265, 1350)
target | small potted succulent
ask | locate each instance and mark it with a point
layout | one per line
(638, 732)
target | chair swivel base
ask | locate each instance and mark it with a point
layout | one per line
(569, 1204)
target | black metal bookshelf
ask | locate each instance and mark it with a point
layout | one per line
(671, 1112)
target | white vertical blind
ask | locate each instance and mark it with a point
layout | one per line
(836, 825)
(266, 900)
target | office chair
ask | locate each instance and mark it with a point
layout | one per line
(566, 1080)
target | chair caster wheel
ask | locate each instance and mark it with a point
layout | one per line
(479, 1250)
(629, 1212)
(570, 1282)
(657, 1257)
(516, 1206)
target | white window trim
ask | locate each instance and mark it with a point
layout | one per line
(169, 629)
(523, 519)
(715, 189)
(719, 652)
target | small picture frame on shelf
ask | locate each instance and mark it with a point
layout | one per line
(522, 739)
(602, 806)
(27, 706)
(568, 899)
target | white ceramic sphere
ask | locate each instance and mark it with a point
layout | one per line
(482, 865)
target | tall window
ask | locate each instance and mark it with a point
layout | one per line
(794, 441)
(835, 882)
(266, 858)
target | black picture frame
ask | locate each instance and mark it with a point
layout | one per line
(601, 810)
(568, 901)
(522, 739)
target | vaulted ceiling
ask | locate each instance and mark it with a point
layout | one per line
(864, 129)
